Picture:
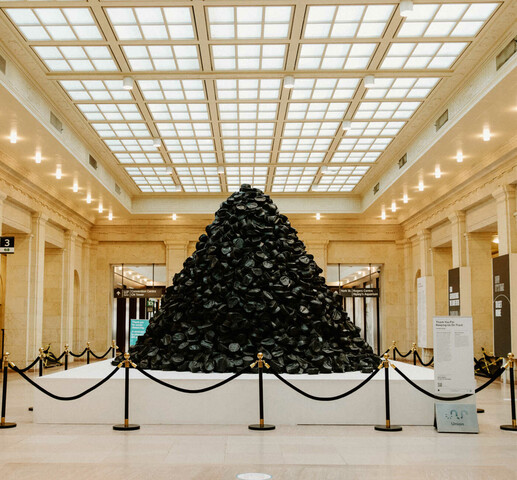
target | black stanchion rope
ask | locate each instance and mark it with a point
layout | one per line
(459, 397)
(326, 399)
(28, 367)
(58, 397)
(61, 356)
(77, 355)
(198, 390)
(403, 356)
(422, 362)
(101, 356)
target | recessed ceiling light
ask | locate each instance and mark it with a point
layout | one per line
(347, 125)
(88, 198)
(459, 156)
(157, 143)
(369, 81)
(393, 206)
(289, 82)
(101, 208)
(168, 170)
(383, 216)
(437, 172)
(406, 7)
(486, 134)
(110, 216)
(128, 83)
(75, 187)
(405, 198)
(37, 156)
(318, 216)
(59, 172)
(174, 216)
(421, 186)
(13, 138)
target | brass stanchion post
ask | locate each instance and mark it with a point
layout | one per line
(66, 356)
(413, 349)
(393, 347)
(127, 363)
(113, 348)
(509, 365)
(388, 427)
(87, 353)
(41, 357)
(261, 425)
(5, 366)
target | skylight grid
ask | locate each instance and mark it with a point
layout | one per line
(294, 144)
(199, 179)
(301, 157)
(155, 184)
(324, 88)
(335, 56)
(342, 180)
(422, 55)
(247, 157)
(179, 111)
(317, 111)
(110, 111)
(247, 144)
(154, 171)
(172, 90)
(247, 129)
(385, 110)
(57, 24)
(162, 57)
(182, 130)
(189, 145)
(363, 144)
(293, 179)
(446, 20)
(130, 145)
(347, 21)
(152, 23)
(76, 58)
(343, 171)
(254, 176)
(249, 22)
(406, 88)
(121, 130)
(355, 157)
(247, 111)
(153, 158)
(374, 129)
(97, 90)
(248, 89)
(310, 129)
(248, 57)
(204, 157)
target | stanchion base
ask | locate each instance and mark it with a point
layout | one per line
(131, 426)
(391, 428)
(7, 425)
(257, 426)
(509, 427)
(480, 410)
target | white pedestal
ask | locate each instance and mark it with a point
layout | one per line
(235, 402)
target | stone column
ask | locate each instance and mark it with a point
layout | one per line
(68, 289)
(175, 255)
(425, 301)
(319, 250)
(441, 263)
(85, 290)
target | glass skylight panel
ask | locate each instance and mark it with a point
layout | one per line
(249, 22)
(82, 90)
(255, 176)
(193, 157)
(162, 57)
(247, 144)
(324, 88)
(128, 130)
(348, 170)
(247, 129)
(172, 89)
(386, 88)
(317, 111)
(77, 59)
(347, 21)
(180, 129)
(146, 171)
(343, 179)
(422, 55)
(335, 56)
(152, 23)
(310, 129)
(363, 144)
(294, 144)
(141, 157)
(382, 110)
(301, 157)
(247, 157)
(189, 145)
(248, 89)
(150, 183)
(199, 179)
(248, 57)
(110, 111)
(58, 24)
(293, 179)
(355, 157)
(179, 111)
(446, 20)
(130, 145)
(247, 111)
(374, 129)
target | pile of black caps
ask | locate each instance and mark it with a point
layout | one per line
(251, 287)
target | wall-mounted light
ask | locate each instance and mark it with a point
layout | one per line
(13, 138)
(88, 198)
(59, 172)
(393, 206)
(383, 214)
(495, 240)
(174, 216)
(437, 172)
(406, 7)
(128, 83)
(101, 208)
(37, 156)
(486, 134)
(318, 216)
(459, 156)
(421, 186)
(110, 216)
(289, 82)
(75, 187)
(405, 198)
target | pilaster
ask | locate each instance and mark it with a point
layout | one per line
(3, 196)
(68, 287)
(458, 229)
(175, 255)
(506, 226)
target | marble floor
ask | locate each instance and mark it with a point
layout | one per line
(92, 452)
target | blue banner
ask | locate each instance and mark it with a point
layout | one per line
(137, 329)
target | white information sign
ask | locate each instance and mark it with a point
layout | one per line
(453, 354)
(421, 311)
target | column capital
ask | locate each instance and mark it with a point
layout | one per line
(457, 216)
(504, 192)
(3, 196)
(424, 234)
(176, 244)
(70, 235)
(317, 243)
(39, 217)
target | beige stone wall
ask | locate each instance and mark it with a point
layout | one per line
(52, 330)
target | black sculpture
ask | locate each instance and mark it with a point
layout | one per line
(250, 286)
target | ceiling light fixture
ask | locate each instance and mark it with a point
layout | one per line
(347, 125)
(110, 216)
(495, 240)
(101, 208)
(459, 156)
(421, 186)
(59, 172)
(128, 83)
(75, 188)
(318, 216)
(168, 170)
(289, 82)
(393, 206)
(220, 170)
(157, 143)
(174, 216)
(437, 172)
(486, 134)
(37, 156)
(383, 214)
(406, 7)
(13, 138)
(369, 81)
(89, 198)
(405, 198)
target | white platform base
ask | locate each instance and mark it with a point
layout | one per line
(235, 402)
